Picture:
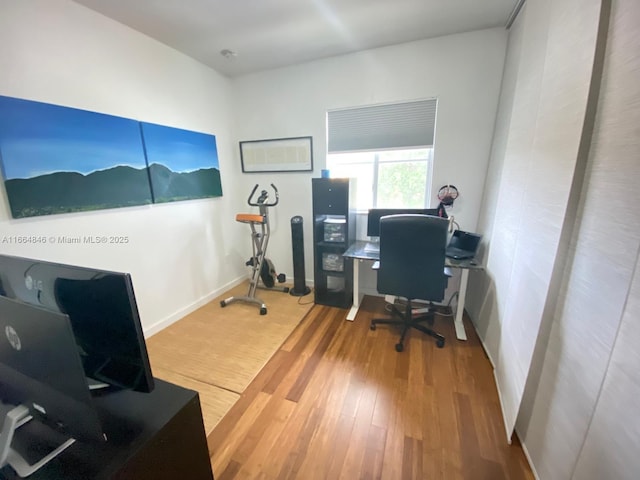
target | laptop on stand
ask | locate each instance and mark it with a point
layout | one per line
(463, 245)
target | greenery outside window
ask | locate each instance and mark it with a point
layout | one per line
(387, 178)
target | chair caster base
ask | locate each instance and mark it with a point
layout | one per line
(263, 311)
(440, 343)
(399, 347)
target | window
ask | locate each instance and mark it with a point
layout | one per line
(388, 147)
(388, 178)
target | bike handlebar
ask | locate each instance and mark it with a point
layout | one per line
(262, 199)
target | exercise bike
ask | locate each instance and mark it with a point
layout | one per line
(262, 267)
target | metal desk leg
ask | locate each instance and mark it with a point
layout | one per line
(356, 291)
(462, 293)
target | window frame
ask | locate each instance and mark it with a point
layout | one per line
(376, 162)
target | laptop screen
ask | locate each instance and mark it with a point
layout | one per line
(465, 241)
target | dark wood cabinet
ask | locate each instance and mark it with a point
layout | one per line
(158, 435)
(333, 232)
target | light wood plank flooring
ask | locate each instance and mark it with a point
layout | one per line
(218, 351)
(336, 401)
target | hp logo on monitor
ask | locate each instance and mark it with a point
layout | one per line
(12, 336)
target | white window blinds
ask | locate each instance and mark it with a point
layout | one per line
(379, 127)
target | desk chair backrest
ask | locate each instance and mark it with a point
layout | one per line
(412, 256)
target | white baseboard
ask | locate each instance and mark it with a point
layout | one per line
(524, 447)
(486, 350)
(526, 454)
(164, 323)
(504, 419)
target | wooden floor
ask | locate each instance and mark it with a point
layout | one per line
(337, 401)
(219, 351)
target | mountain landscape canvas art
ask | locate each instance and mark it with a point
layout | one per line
(57, 159)
(183, 164)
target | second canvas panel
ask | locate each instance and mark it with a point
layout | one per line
(183, 164)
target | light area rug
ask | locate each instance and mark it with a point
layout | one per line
(218, 351)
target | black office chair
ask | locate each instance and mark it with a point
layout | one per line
(412, 249)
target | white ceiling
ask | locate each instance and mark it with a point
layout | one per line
(268, 34)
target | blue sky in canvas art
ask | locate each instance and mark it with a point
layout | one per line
(38, 138)
(61, 160)
(183, 164)
(179, 150)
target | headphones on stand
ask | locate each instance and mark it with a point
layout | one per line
(447, 194)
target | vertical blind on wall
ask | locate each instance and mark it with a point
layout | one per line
(379, 127)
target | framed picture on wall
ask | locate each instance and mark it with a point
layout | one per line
(277, 155)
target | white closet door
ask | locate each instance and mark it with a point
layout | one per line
(542, 151)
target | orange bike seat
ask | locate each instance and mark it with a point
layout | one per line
(250, 218)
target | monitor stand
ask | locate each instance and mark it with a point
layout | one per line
(94, 384)
(14, 419)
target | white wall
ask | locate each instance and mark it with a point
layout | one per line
(462, 71)
(183, 254)
(179, 254)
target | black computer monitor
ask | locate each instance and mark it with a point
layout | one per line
(41, 377)
(41, 369)
(373, 218)
(102, 308)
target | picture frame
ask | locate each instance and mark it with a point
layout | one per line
(294, 154)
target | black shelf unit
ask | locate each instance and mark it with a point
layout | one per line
(334, 230)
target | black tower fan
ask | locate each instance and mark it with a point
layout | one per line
(297, 243)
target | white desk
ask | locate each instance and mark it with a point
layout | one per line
(358, 253)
